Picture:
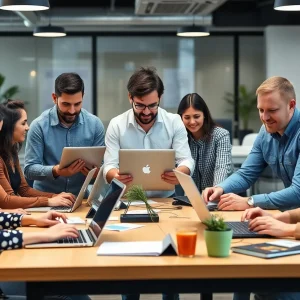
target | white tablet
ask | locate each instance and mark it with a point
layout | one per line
(93, 156)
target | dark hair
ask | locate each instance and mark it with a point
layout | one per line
(11, 110)
(195, 101)
(144, 81)
(68, 83)
(1, 113)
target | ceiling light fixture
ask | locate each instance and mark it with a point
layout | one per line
(24, 5)
(49, 31)
(193, 31)
(287, 5)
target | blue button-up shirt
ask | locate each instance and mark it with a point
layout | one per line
(45, 141)
(281, 153)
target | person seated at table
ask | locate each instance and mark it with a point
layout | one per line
(276, 145)
(11, 239)
(14, 190)
(210, 144)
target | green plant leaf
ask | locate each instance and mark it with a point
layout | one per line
(136, 193)
(10, 92)
(215, 223)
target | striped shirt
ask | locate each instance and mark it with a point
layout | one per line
(213, 160)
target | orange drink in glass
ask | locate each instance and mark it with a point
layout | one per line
(186, 241)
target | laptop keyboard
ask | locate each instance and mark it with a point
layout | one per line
(80, 240)
(61, 208)
(241, 230)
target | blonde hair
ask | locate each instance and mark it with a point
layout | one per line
(277, 84)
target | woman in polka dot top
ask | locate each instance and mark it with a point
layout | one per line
(10, 238)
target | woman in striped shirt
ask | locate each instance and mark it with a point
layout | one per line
(210, 144)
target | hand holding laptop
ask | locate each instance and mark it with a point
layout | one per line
(62, 199)
(72, 169)
(115, 173)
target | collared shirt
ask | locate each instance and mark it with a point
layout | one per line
(167, 132)
(213, 160)
(45, 142)
(281, 153)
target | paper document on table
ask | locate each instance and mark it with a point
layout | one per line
(140, 211)
(152, 248)
(73, 220)
(122, 227)
(113, 219)
(137, 203)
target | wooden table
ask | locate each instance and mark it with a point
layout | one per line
(80, 270)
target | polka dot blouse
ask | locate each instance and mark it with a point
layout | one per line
(10, 239)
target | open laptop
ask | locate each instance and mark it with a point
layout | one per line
(91, 236)
(92, 156)
(75, 205)
(146, 167)
(240, 229)
(97, 194)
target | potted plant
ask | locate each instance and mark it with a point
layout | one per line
(136, 193)
(9, 92)
(217, 236)
(247, 105)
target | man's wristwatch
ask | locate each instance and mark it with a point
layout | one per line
(250, 201)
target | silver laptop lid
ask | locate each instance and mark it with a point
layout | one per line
(193, 194)
(146, 166)
(114, 193)
(99, 189)
(83, 188)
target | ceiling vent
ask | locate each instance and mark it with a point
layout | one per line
(176, 7)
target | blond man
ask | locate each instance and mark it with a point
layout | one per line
(277, 145)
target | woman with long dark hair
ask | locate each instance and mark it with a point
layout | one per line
(210, 144)
(15, 191)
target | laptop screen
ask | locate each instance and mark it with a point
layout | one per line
(115, 192)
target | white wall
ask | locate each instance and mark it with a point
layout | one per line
(282, 54)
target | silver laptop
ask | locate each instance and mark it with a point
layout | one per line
(146, 166)
(240, 229)
(75, 205)
(93, 156)
(91, 236)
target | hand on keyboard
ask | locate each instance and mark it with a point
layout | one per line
(62, 199)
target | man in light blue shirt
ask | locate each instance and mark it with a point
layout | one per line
(66, 124)
(277, 145)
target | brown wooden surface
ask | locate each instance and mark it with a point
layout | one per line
(66, 264)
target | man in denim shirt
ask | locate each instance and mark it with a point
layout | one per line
(66, 124)
(277, 145)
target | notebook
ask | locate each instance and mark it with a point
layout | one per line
(93, 156)
(75, 205)
(146, 166)
(152, 248)
(270, 249)
(240, 229)
(91, 236)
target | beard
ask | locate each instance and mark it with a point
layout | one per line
(66, 117)
(140, 116)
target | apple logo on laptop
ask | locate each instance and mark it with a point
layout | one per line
(146, 169)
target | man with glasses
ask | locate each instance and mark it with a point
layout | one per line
(66, 124)
(146, 126)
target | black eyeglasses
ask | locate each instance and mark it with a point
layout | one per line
(153, 106)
